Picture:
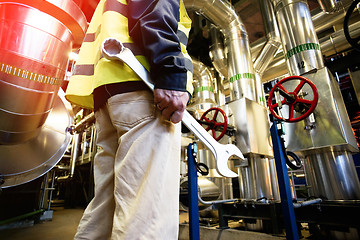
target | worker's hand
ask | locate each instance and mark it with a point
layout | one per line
(171, 103)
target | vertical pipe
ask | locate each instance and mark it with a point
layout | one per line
(74, 153)
(299, 40)
(204, 88)
(240, 67)
(51, 189)
(332, 176)
(273, 43)
(217, 51)
(303, 55)
(269, 50)
(43, 192)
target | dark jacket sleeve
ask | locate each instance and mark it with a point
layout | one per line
(153, 26)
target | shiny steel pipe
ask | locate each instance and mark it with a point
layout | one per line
(331, 6)
(269, 50)
(273, 42)
(240, 67)
(331, 44)
(33, 62)
(217, 51)
(258, 179)
(336, 42)
(207, 191)
(307, 203)
(204, 87)
(332, 176)
(320, 19)
(299, 40)
(323, 21)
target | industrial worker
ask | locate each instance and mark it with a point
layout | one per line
(136, 168)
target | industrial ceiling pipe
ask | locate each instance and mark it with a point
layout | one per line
(267, 53)
(331, 6)
(240, 67)
(331, 44)
(273, 42)
(321, 20)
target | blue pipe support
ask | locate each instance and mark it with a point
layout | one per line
(284, 186)
(194, 229)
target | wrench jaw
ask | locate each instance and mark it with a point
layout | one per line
(222, 161)
(111, 47)
(223, 169)
(230, 148)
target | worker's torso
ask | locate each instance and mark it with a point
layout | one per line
(91, 70)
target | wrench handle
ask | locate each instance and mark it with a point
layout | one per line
(113, 49)
(129, 59)
(200, 132)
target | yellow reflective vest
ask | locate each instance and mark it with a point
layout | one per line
(92, 70)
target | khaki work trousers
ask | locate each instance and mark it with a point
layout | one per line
(136, 173)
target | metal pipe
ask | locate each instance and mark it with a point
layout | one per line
(331, 44)
(216, 201)
(299, 40)
(51, 189)
(269, 50)
(273, 37)
(323, 21)
(257, 180)
(74, 155)
(240, 67)
(43, 191)
(332, 175)
(336, 42)
(320, 19)
(217, 52)
(85, 122)
(331, 6)
(204, 88)
(307, 203)
(325, 170)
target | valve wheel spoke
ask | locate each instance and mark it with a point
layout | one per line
(299, 87)
(304, 106)
(215, 125)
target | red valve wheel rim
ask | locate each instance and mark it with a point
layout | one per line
(312, 102)
(215, 122)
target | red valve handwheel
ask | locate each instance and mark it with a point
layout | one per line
(296, 99)
(211, 116)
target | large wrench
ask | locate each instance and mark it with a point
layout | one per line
(113, 49)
